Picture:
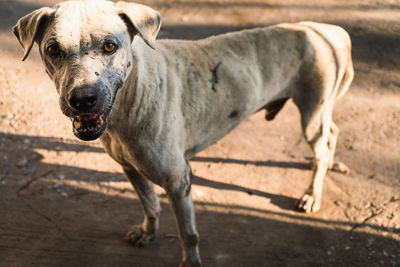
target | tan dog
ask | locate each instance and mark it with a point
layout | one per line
(155, 108)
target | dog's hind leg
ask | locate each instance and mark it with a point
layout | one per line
(335, 165)
(316, 131)
(316, 107)
(334, 130)
(142, 234)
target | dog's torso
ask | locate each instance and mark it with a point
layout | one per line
(186, 95)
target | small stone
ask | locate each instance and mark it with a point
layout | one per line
(4, 174)
(347, 248)
(64, 194)
(391, 216)
(393, 199)
(366, 204)
(337, 203)
(23, 163)
(385, 253)
(36, 156)
(61, 176)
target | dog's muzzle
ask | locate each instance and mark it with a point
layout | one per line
(90, 123)
(89, 127)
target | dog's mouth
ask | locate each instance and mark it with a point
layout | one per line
(89, 127)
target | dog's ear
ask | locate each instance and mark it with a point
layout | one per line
(27, 28)
(140, 19)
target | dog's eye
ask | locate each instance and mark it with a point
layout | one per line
(109, 47)
(53, 50)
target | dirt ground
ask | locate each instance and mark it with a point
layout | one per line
(66, 203)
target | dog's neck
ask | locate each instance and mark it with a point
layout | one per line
(134, 100)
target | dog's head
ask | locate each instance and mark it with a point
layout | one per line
(86, 49)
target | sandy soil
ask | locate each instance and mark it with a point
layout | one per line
(66, 203)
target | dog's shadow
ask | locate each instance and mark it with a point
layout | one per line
(283, 202)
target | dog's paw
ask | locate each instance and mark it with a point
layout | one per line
(138, 237)
(308, 203)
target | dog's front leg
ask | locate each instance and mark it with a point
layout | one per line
(140, 235)
(179, 195)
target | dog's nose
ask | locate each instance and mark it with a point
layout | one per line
(83, 98)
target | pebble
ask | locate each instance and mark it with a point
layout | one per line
(366, 204)
(338, 203)
(37, 156)
(23, 163)
(385, 253)
(4, 174)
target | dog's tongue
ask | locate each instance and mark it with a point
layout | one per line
(88, 122)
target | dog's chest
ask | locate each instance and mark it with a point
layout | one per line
(115, 148)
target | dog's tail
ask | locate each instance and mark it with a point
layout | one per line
(345, 73)
(347, 76)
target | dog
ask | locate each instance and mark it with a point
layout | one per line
(155, 104)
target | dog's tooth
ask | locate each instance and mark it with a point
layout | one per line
(77, 124)
(99, 122)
